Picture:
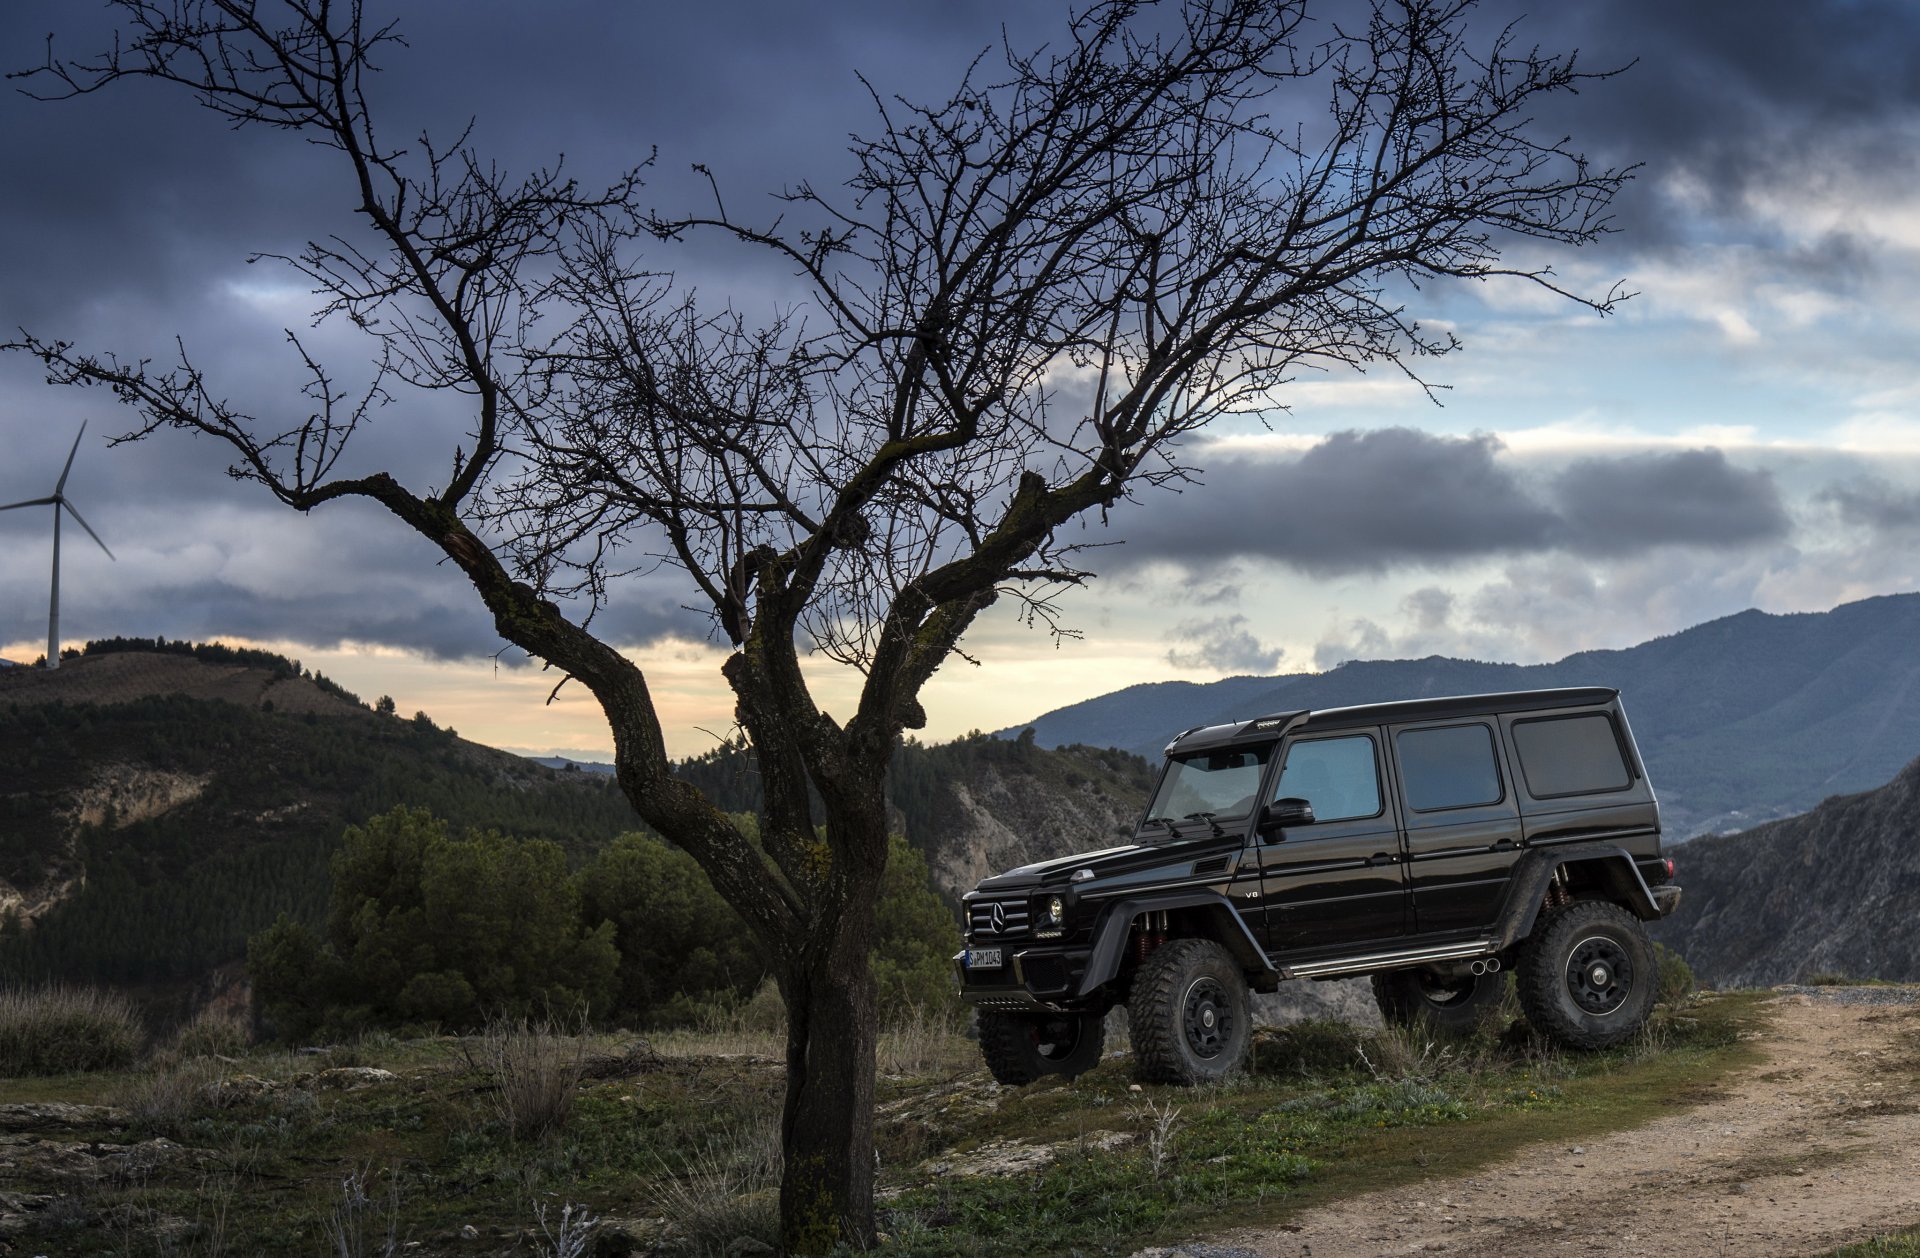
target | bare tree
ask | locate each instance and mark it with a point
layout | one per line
(1021, 304)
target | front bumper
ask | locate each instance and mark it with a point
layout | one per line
(1666, 898)
(1038, 979)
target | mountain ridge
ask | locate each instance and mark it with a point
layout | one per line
(1741, 719)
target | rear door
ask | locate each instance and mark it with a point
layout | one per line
(1337, 882)
(1462, 821)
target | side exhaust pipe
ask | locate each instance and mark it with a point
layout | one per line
(1489, 966)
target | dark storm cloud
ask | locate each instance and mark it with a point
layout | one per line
(126, 218)
(1618, 506)
(1357, 502)
(1867, 502)
(1740, 96)
(1398, 497)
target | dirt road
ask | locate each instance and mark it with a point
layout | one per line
(1814, 1148)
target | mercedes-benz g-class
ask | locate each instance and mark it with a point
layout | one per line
(1430, 844)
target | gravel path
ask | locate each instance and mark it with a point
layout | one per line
(1816, 1147)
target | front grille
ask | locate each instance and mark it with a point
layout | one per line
(1013, 919)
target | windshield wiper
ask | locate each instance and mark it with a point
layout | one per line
(1208, 818)
(1173, 827)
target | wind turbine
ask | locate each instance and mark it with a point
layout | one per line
(57, 501)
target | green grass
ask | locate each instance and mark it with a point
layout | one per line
(689, 1136)
(1280, 1141)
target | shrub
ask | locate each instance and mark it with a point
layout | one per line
(536, 1069)
(169, 1096)
(1676, 976)
(730, 1190)
(55, 1030)
(212, 1033)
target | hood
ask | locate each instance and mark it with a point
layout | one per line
(1107, 864)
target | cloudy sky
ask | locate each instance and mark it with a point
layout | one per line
(1745, 432)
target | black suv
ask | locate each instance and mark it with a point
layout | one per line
(1430, 844)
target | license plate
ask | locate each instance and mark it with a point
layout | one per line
(983, 959)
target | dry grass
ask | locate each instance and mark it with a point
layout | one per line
(212, 1033)
(915, 1041)
(536, 1068)
(58, 1030)
(169, 1095)
(730, 1189)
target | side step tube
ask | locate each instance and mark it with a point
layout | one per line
(1392, 960)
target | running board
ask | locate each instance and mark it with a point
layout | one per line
(1388, 960)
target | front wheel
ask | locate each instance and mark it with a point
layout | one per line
(1440, 1004)
(1022, 1047)
(1587, 979)
(1189, 1016)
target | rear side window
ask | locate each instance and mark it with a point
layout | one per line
(1570, 755)
(1448, 767)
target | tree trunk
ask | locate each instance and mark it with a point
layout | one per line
(826, 1190)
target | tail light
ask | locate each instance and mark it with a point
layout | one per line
(1669, 864)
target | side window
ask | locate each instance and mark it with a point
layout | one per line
(1570, 755)
(1449, 767)
(1336, 775)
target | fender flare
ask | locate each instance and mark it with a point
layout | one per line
(1227, 928)
(1527, 889)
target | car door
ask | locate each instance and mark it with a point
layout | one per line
(1337, 882)
(1461, 819)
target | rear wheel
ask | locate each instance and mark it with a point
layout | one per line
(1189, 1015)
(1439, 1003)
(1022, 1047)
(1588, 977)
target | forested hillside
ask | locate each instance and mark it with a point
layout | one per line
(159, 803)
(154, 835)
(1741, 720)
(1833, 891)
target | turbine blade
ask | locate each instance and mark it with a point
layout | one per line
(62, 484)
(89, 528)
(31, 502)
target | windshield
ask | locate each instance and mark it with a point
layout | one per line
(1221, 783)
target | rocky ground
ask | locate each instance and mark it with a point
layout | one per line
(1817, 1147)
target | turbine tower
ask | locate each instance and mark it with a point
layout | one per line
(57, 501)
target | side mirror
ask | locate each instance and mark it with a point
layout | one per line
(1281, 813)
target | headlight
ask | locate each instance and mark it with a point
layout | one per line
(1053, 919)
(1056, 910)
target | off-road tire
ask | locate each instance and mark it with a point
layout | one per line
(1023, 1047)
(1451, 1008)
(1189, 1014)
(1587, 977)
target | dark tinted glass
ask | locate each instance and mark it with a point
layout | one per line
(1336, 775)
(1572, 755)
(1451, 767)
(1223, 783)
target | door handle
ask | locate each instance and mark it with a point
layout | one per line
(1503, 845)
(1380, 858)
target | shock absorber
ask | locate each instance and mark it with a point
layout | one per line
(1557, 895)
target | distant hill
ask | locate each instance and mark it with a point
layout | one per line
(1835, 890)
(159, 802)
(159, 805)
(1741, 720)
(580, 766)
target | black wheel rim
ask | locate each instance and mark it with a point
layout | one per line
(1442, 992)
(1207, 1018)
(1057, 1039)
(1599, 974)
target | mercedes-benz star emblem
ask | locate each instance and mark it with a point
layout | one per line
(997, 918)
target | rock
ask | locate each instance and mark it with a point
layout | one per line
(469, 1233)
(19, 1210)
(353, 1078)
(42, 1115)
(24, 1157)
(995, 1158)
(746, 1245)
